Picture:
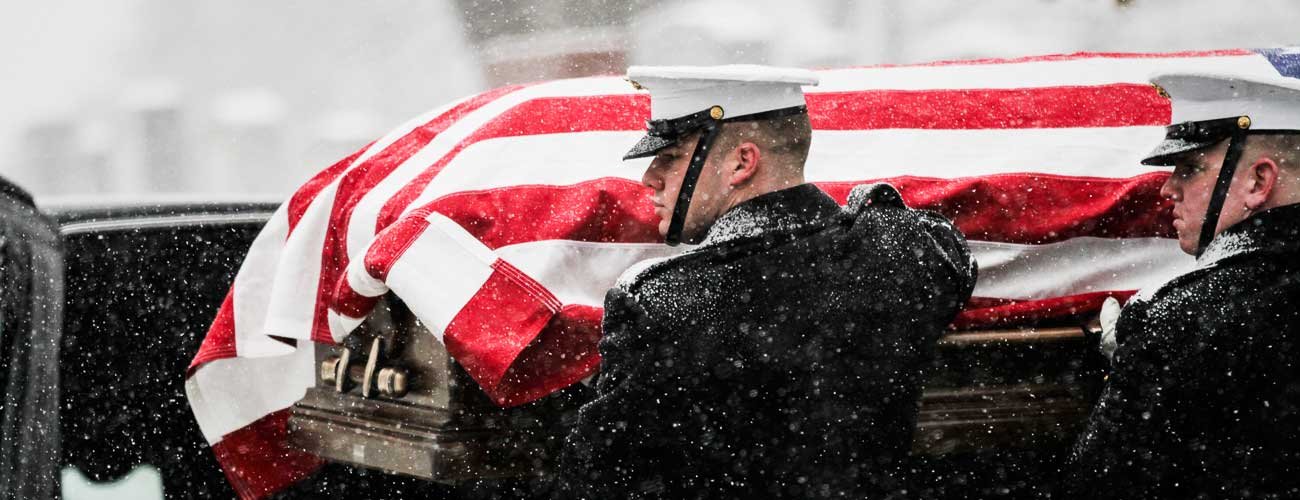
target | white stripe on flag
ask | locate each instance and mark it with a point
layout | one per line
(563, 159)
(362, 282)
(227, 394)
(440, 272)
(361, 227)
(1056, 73)
(251, 290)
(947, 154)
(1085, 71)
(297, 274)
(294, 271)
(581, 272)
(1075, 266)
(342, 325)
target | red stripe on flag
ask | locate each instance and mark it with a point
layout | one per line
(607, 210)
(1036, 209)
(497, 324)
(384, 252)
(529, 285)
(348, 302)
(258, 459)
(219, 343)
(983, 312)
(1010, 208)
(565, 352)
(358, 182)
(1114, 105)
(303, 197)
(391, 243)
(536, 116)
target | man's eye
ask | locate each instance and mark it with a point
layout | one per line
(1186, 171)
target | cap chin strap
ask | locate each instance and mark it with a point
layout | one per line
(710, 124)
(709, 132)
(1221, 185)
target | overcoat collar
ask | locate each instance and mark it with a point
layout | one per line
(786, 210)
(1274, 230)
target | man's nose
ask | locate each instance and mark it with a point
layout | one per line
(1171, 189)
(651, 177)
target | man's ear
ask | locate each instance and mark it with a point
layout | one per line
(1261, 180)
(747, 159)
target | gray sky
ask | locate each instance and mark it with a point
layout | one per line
(327, 76)
(59, 55)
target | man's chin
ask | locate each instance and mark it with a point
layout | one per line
(1186, 240)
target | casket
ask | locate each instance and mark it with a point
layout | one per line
(391, 398)
(1036, 160)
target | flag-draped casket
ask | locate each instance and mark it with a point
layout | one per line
(501, 219)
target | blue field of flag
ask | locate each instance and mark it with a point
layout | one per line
(1285, 59)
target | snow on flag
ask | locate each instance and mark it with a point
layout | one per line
(502, 219)
(1285, 59)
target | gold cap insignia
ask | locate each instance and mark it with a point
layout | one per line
(1243, 122)
(715, 112)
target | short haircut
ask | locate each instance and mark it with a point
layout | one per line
(1282, 148)
(788, 138)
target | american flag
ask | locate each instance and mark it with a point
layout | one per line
(507, 213)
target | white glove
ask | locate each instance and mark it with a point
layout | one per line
(1109, 316)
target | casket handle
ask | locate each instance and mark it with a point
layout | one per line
(374, 380)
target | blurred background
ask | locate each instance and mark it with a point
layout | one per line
(247, 99)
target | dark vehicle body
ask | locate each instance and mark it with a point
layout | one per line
(103, 306)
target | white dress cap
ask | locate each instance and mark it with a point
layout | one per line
(740, 89)
(1257, 104)
(1271, 103)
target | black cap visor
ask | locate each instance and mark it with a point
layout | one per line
(649, 146)
(1186, 137)
(1170, 149)
(663, 133)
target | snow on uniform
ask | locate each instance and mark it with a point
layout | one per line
(780, 359)
(1203, 397)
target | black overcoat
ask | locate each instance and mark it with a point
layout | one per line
(782, 358)
(1204, 396)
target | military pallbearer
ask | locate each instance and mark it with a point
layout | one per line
(781, 357)
(1204, 397)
